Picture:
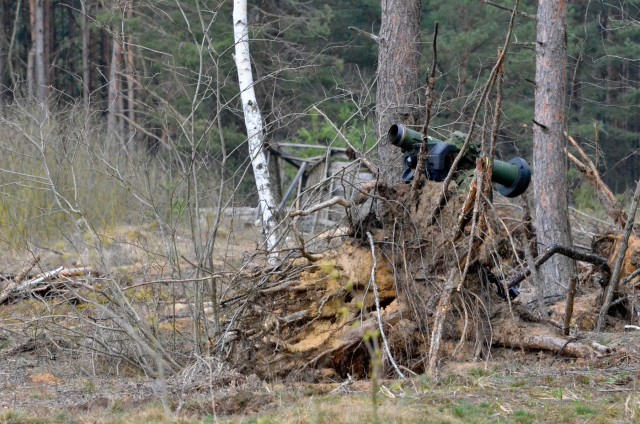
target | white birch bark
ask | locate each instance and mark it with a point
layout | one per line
(253, 122)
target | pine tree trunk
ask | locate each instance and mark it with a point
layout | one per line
(31, 79)
(40, 64)
(253, 122)
(48, 38)
(3, 57)
(131, 79)
(31, 73)
(550, 162)
(86, 74)
(114, 108)
(398, 78)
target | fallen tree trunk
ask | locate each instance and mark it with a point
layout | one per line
(42, 282)
(562, 346)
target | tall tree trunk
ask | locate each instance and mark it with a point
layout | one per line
(31, 61)
(114, 108)
(86, 71)
(31, 79)
(131, 79)
(40, 64)
(14, 30)
(48, 38)
(68, 11)
(253, 122)
(3, 57)
(550, 163)
(398, 77)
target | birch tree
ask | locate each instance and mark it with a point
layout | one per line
(253, 121)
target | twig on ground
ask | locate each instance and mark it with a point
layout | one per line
(182, 280)
(344, 384)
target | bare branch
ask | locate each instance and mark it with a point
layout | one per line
(422, 155)
(564, 251)
(356, 152)
(365, 34)
(327, 204)
(589, 169)
(499, 6)
(614, 281)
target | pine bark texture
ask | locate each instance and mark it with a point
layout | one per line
(40, 63)
(550, 163)
(131, 83)
(86, 75)
(3, 58)
(253, 122)
(114, 109)
(398, 78)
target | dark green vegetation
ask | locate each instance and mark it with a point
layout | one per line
(177, 73)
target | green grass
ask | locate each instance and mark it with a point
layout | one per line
(523, 416)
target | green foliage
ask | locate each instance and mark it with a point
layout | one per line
(304, 54)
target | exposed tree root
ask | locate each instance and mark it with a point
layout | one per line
(312, 320)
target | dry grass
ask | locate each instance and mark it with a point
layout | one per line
(560, 394)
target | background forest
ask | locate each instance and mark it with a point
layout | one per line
(153, 83)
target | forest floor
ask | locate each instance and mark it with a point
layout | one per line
(37, 387)
(44, 379)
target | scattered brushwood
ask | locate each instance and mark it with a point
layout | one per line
(399, 280)
(16, 287)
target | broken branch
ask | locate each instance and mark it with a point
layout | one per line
(603, 192)
(614, 281)
(331, 202)
(499, 6)
(565, 251)
(11, 287)
(365, 34)
(356, 152)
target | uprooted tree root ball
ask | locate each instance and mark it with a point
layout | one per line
(322, 319)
